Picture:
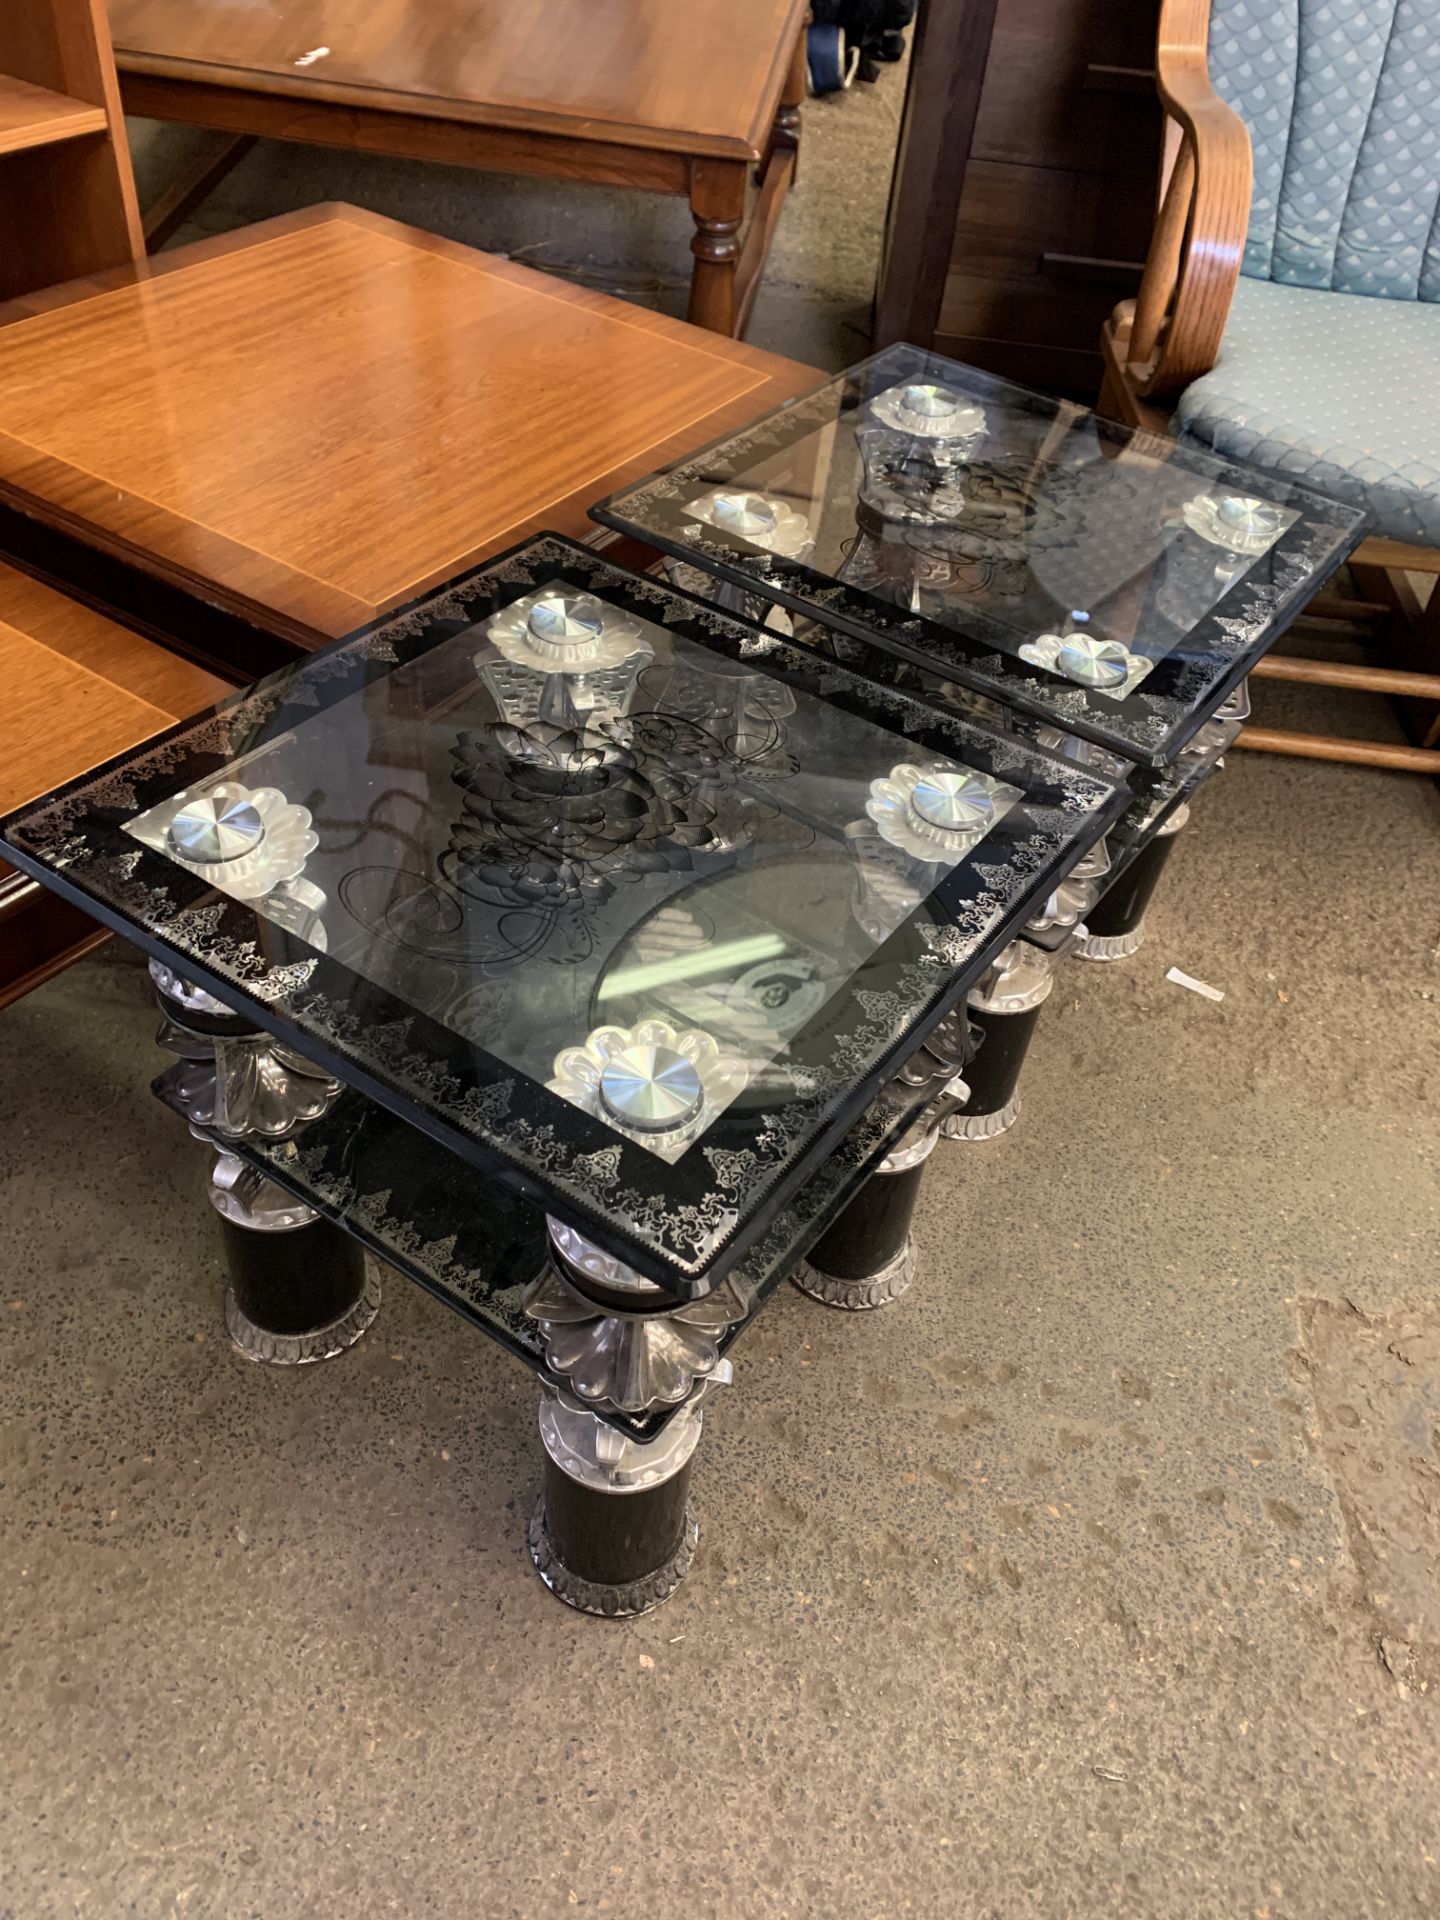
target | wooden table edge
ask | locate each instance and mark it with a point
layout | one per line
(196, 77)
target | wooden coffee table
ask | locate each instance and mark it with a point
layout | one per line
(672, 96)
(310, 421)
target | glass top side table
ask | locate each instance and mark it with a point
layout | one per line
(632, 906)
(1113, 582)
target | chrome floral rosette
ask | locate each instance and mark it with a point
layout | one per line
(1236, 521)
(937, 814)
(1089, 660)
(762, 519)
(657, 1085)
(930, 410)
(242, 841)
(561, 630)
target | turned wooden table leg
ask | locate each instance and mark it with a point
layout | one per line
(717, 201)
(797, 86)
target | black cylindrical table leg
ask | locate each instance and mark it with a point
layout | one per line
(299, 1288)
(614, 1539)
(1005, 1005)
(1115, 926)
(994, 1073)
(614, 1532)
(866, 1256)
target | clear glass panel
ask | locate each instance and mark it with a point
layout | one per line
(631, 904)
(1115, 581)
(621, 863)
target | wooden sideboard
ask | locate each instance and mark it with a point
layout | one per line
(1024, 195)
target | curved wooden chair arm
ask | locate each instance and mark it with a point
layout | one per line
(1177, 319)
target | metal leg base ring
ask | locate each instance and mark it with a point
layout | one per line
(300, 1349)
(594, 1596)
(1111, 946)
(982, 1126)
(867, 1290)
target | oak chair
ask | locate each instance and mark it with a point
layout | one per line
(1289, 313)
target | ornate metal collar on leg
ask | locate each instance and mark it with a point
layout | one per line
(634, 1360)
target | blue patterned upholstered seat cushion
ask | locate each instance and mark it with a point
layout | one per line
(1339, 390)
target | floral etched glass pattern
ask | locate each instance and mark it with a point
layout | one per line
(1111, 580)
(634, 906)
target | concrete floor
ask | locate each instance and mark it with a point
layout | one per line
(1096, 1577)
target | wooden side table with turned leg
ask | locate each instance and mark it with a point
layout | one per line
(628, 93)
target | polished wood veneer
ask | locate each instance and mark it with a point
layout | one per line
(703, 73)
(67, 199)
(37, 116)
(674, 96)
(313, 420)
(78, 689)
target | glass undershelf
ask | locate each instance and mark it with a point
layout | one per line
(1111, 581)
(475, 1247)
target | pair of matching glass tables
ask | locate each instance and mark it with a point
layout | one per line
(600, 949)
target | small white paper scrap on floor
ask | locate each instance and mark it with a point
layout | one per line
(1195, 986)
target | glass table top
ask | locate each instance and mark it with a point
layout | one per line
(628, 903)
(1110, 580)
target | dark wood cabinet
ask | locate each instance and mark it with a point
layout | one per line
(1023, 195)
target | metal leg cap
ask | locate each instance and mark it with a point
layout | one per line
(982, 1126)
(876, 1289)
(1113, 946)
(597, 1597)
(300, 1349)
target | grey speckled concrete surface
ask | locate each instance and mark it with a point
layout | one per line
(1097, 1577)
(1037, 1593)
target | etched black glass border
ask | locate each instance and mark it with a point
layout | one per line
(683, 1224)
(1150, 724)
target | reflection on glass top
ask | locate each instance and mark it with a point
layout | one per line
(1112, 580)
(630, 903)
(556, 785)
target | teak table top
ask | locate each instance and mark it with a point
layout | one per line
(315, 419)
(79, 688)
(684, 76)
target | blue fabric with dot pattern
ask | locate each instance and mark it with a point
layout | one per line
(1337, 390)
(1329, 371)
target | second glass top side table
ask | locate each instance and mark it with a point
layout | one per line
(1113, 582)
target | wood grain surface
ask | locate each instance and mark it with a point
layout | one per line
(695, 76)
(320, 417)
(79, 688)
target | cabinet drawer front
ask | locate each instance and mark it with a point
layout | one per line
(1042, 255)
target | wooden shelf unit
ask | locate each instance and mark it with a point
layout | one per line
(37, 116)
(67, 197)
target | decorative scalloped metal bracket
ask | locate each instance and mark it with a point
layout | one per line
(631, 1362)
(249, 1084)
